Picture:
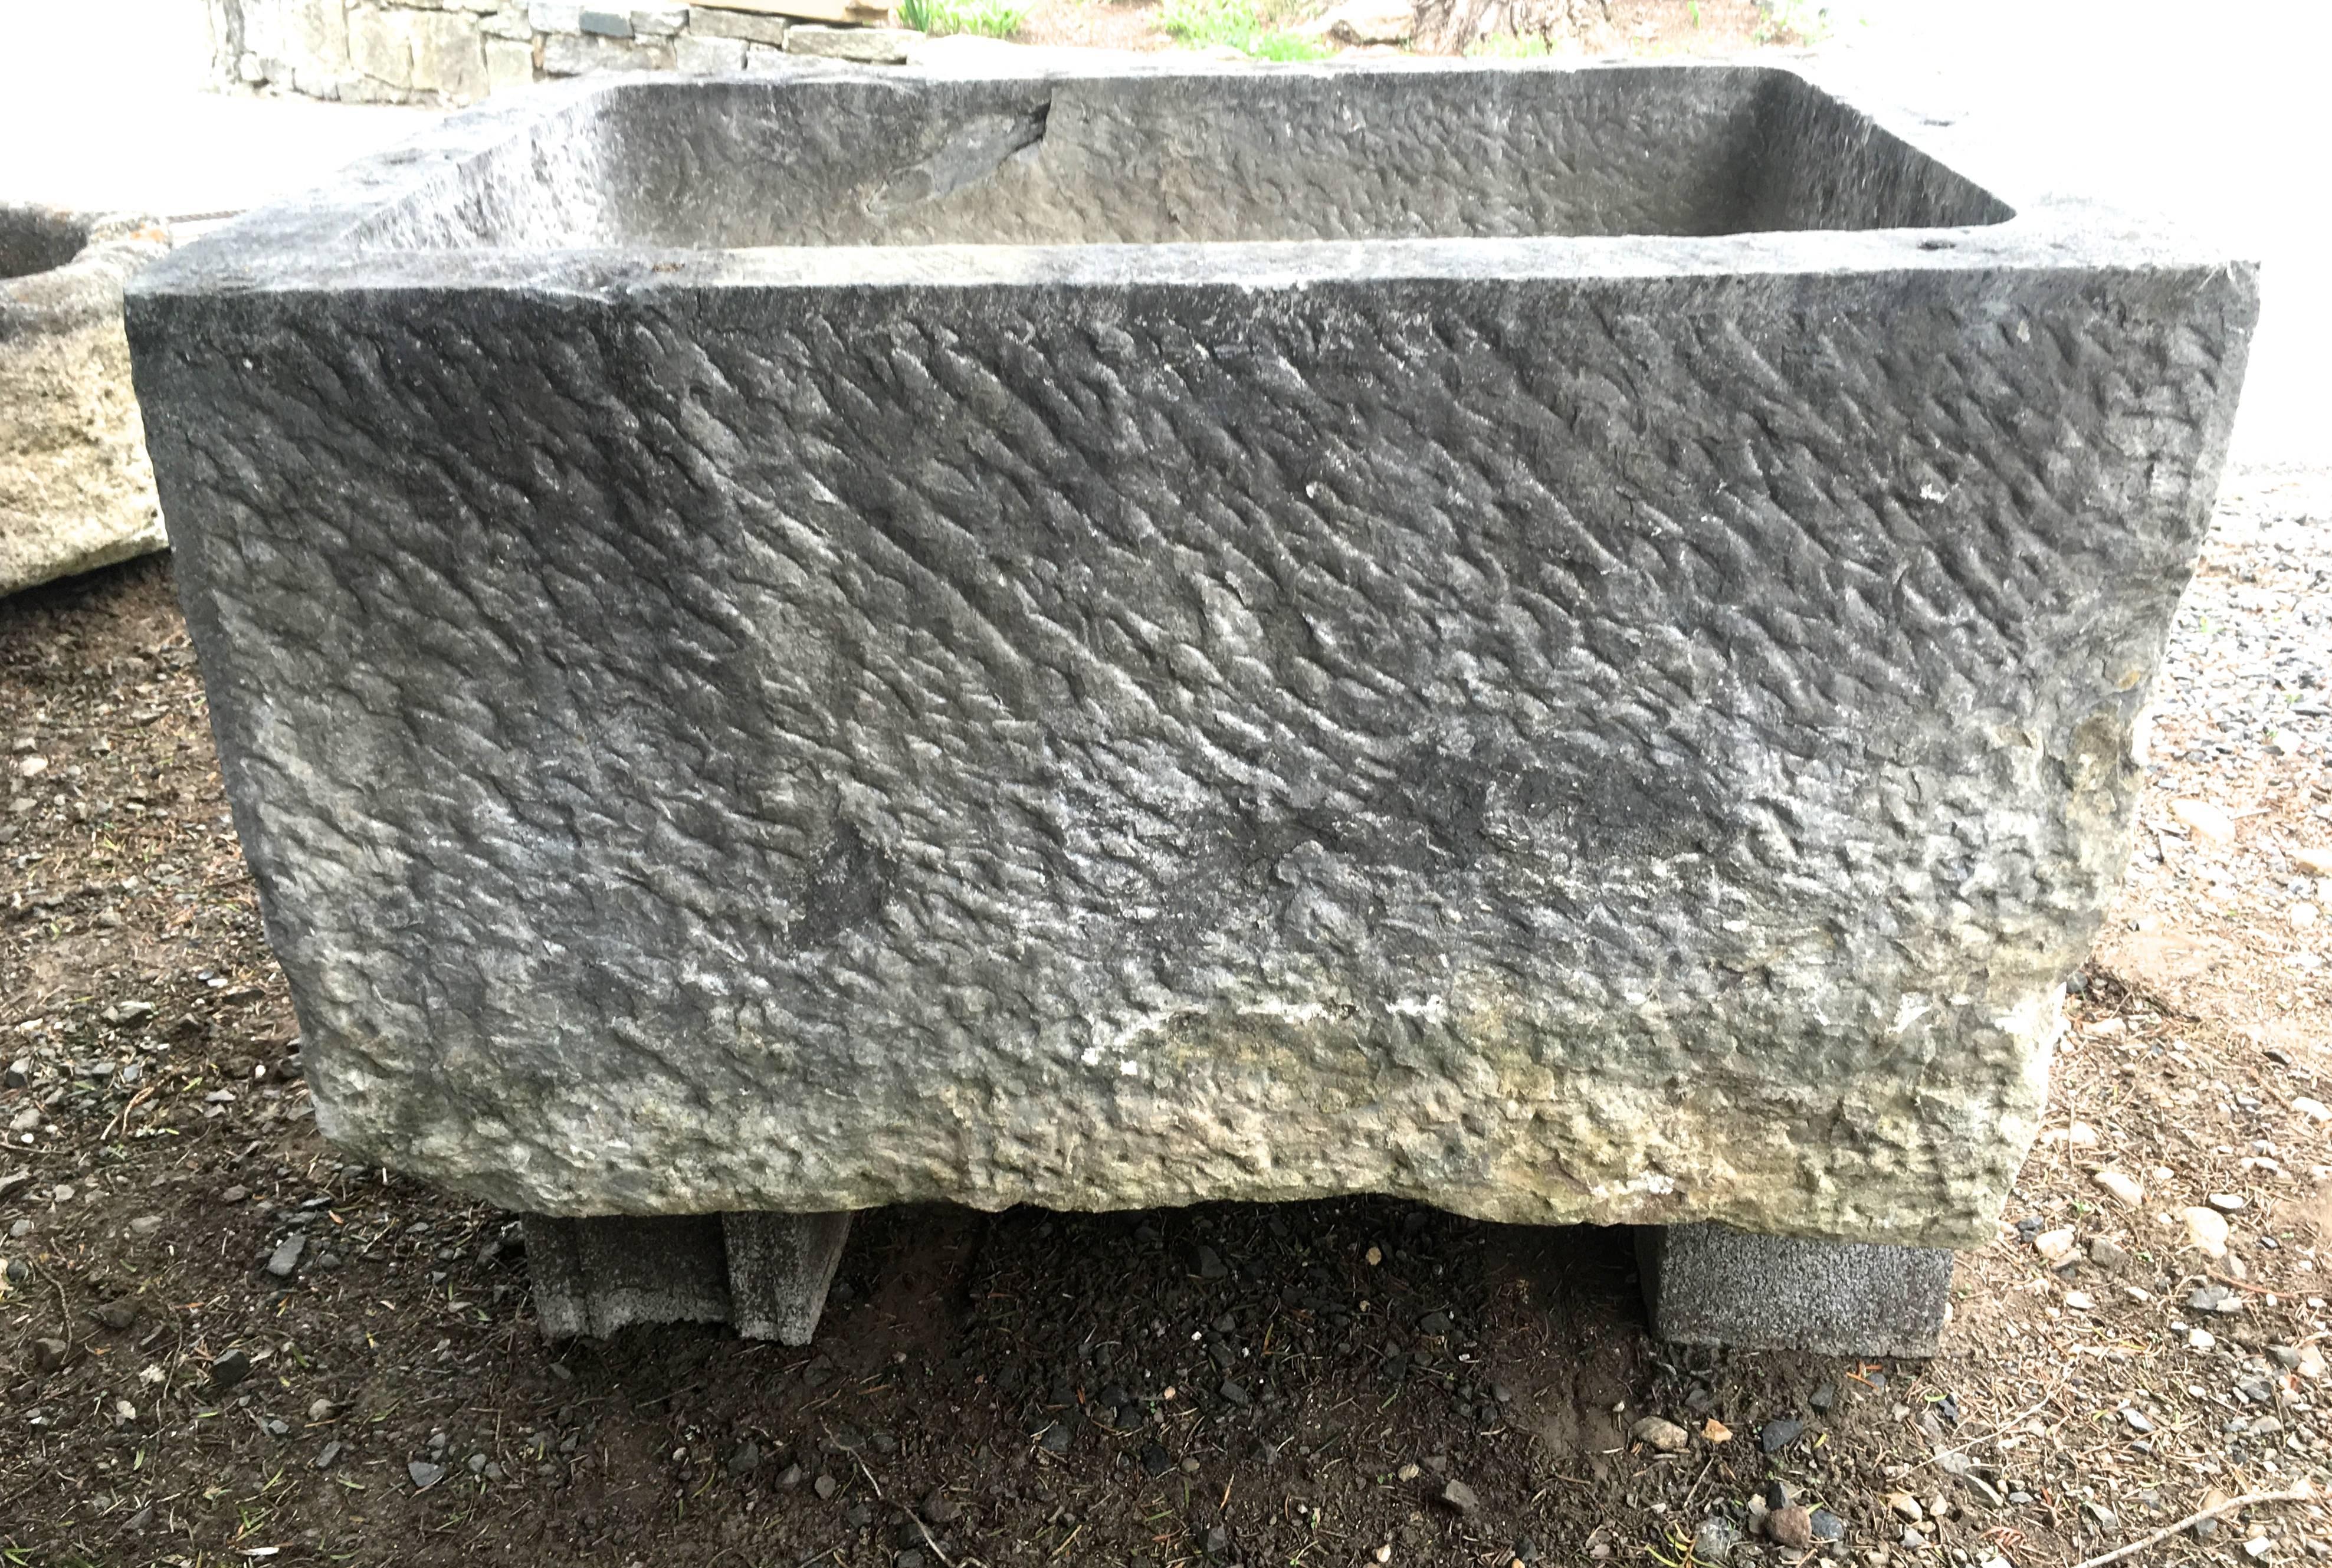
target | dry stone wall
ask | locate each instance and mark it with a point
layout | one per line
(451, 51)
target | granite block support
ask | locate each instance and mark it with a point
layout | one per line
(767, 1274)
(1712, 1285)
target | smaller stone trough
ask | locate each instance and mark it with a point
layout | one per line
(76, 491)
(1562, 643)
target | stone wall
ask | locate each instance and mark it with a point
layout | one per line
(450, 51)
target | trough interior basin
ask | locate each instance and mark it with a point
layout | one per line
(1297, 156)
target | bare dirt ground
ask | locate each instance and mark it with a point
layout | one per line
(1326, 1384)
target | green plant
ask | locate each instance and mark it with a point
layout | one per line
(1791, 20)
(1245, 25)
(993, 18)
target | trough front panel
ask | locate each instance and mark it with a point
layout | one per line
(1627, 750)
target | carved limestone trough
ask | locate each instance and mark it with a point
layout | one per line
(1561, 642)
(76, 491)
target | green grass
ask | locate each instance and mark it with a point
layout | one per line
(1249, 26)
(992, 18)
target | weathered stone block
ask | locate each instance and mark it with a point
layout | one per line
(708, 55)
(449, 57)
(659, 21)
(1561, 642)
(866, 45)
(76, 491)
(574, 55)
(380, 47)
(704, 22)
(508, 64)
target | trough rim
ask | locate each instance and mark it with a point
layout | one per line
(303, 244)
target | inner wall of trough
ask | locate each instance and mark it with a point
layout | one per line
(1164, 159)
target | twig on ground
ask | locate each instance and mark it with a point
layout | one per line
(2298, 1494)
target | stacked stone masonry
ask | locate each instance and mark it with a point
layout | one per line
(454, 52)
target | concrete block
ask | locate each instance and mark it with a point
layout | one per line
(768, 1274)
(780, 1266)
(1713, 1285)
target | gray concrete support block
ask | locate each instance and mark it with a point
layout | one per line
(1710, 1284)
(592, 1276)
(767, 1274)
(779, 1266)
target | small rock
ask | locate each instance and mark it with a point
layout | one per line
(2137, 1420)
(2081, 1301)
(233, 1194)
(1715, 1431)
(2258, 1548)
(1056, 1437)
(1210, 1265)
(145, 1225)
(2205, 820)
(745, 1459)
(424, 1474)
(49, 1355)
(476, 1464)
(942, 1509)
(2311, 1363)
(2055, 1246)
(2109, 1254)
(228, 1370)
(2312, 860)
(1714, 1542)
(1458, 1495)
(2315, 1109)
(1235, 1392)
(286, 1259)
(1408, 1472)
(1906, 1507)
(2206, 1232)
(2202, 1340)
(1822, 1398)
(826, 1487)
(2126, 1189)
(117, 1314)
(1791, 1527)
(1664, 1435)
(324, 1458)
(1780, 1433)
(1827, 1525)
(2228, 1203)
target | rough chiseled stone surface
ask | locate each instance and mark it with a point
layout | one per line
(1567, 731)
(76, 491)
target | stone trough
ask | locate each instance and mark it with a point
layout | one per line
(76, 491)
(1563, 643)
